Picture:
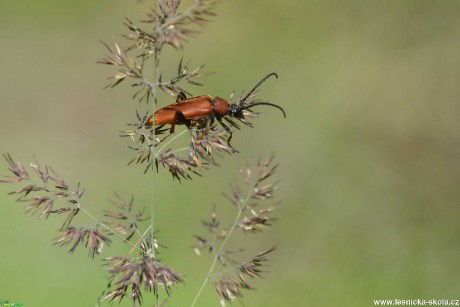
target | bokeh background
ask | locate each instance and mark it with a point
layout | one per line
(369, 172)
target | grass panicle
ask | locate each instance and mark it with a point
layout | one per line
(229, 282)
(139, 271)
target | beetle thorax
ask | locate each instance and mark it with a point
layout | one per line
(220, 106)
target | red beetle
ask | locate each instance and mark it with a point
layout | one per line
(200, 110)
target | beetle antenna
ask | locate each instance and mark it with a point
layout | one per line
(257, 85)
(264, 103)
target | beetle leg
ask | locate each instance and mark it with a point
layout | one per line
(159, 130)
(181, 96)
(206, 129)
(179, 118)
(182, 119)
(164, 138)
(229, 131)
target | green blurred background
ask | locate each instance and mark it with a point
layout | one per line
(368, 154)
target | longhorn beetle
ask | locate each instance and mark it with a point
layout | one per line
(203, 110)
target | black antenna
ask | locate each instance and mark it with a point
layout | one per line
(263, 103)
(257, 85)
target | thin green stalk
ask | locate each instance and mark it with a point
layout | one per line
(154, 94)
(139, 241)
(170, 141)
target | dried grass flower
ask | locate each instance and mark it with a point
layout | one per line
(140, 273)
(46, 195)
(91, 237)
